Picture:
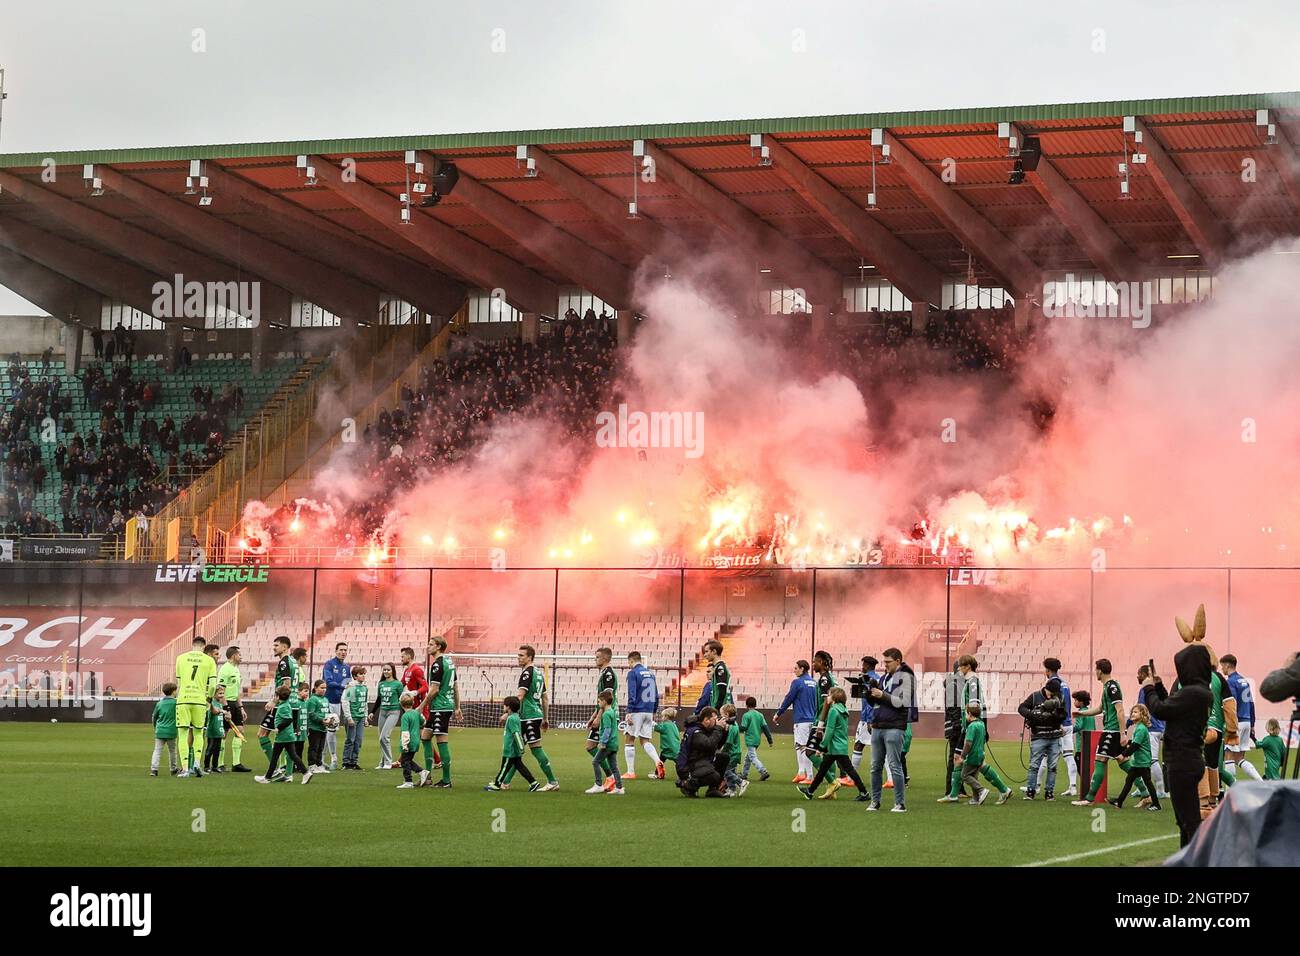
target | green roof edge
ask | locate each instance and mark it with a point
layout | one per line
(595, 134)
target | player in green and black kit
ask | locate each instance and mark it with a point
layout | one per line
(266, 732)
(719, 675)
(972, 692)
(1223, 711)
(606, 681)
(444, 703)
(1111, 745)
(823, 667)
(532, 711)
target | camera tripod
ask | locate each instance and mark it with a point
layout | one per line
(1286, 753)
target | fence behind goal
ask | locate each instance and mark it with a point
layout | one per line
(114, 630)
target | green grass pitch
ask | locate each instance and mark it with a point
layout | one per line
(79, 794)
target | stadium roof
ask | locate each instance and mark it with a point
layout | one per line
(1214, 183)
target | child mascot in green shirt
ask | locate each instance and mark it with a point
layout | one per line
(972, 760)
(835, 747)
(1138, 750)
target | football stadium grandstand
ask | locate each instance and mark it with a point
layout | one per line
(395, 437)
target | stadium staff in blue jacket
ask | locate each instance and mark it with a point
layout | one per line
(642, 702)
(802, 696)
(337, 675)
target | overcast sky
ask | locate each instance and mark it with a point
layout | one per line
(84, 74)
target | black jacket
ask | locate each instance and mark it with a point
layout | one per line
(1186, 711)
(1044, 715)
(1282, 683)
(701, 746)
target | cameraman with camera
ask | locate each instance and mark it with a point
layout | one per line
(895, 703)
(1044, 714)
(860, 688)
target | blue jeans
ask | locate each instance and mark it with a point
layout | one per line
(352, 748)
(1041, 749)
(887, 744)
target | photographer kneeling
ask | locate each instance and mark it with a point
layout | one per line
(695, 761)
(1044, 712)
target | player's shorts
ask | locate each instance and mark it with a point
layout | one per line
(801, 734)
(438, 721)
(640, 725)
(1108, 745)
(1067, 741)
(863, 736)
(191, 715)
(1244, 742)
(237, 715)
(532, 729)
(268, 719)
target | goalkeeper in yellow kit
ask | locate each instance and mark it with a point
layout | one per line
(196, 678)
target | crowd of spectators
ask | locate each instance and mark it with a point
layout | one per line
(132, 462)
(567, 374)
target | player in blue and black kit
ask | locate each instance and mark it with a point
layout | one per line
(802, 696)
(1244, 740)
(642, 702)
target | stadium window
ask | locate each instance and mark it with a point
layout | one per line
(308, 315)
(113, 313)
(395, 311)
(580, 300)
(959, 295)
(483, 307)
(879, 294)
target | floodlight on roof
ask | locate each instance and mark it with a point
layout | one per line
(189, 186)
(1265, 122)
(205, 200)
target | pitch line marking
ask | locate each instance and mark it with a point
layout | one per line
(1109, 849)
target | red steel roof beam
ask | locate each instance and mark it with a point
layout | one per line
(118, 280)
(792, 263)
(562, 251)
(915, 277)
(347, 298)
(486, 268)
(53, 292)
(1209, 235)
(1108, 252)
(128, 242)
(425, 288)
(1018, 273)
